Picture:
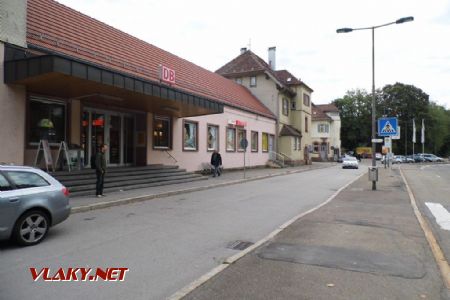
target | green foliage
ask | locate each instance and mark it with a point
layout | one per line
(403, 101)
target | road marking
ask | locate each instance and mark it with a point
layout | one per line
(200, 281)
(440, 213)
(435, 248)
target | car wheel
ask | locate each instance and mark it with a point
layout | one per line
(31, 228)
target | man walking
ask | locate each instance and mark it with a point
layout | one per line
(216, 162)
(100, 169)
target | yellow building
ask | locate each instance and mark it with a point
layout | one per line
(286, 96)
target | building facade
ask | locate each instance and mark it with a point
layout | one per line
(286, 96)
(93, 84)
(326, 132)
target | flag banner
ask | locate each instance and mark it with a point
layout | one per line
(414, 132)
(422, 138)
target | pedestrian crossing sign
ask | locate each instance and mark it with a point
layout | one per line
(387, 126)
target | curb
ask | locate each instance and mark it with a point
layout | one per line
(101, 205)
(232, 259)
(439, 256)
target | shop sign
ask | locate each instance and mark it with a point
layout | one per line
(166, 74)
(237, 123)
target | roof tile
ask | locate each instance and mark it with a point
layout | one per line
(56, 28)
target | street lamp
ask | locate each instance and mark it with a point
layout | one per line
(346, 30)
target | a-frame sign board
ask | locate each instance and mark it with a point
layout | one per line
(64, 151)
(44, 147)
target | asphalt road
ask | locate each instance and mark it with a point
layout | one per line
(431, 184)
(166, 243)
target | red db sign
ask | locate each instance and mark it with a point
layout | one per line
(167, 75)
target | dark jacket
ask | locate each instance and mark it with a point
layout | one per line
(100, 162)
(216, 159)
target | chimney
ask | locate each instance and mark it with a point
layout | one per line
(243, 50)
(271, 61)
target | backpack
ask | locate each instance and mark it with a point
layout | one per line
(93, 158)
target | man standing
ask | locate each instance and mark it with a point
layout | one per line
(100, 169)
(216, 162)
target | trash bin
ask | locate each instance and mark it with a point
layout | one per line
(373, 173)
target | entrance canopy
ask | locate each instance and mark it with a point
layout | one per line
(60, 76)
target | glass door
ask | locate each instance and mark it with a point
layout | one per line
(112, 128)
(115, 139)
(128, 139)
(98, 134)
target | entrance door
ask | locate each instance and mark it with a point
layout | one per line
(115, 139)
(97, 131)
(112, 128)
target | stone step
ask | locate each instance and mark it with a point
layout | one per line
(107, 190)
(76, 179)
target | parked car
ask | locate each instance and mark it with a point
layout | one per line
(398, 159)
(409, 159)
(432, 158)
(418, 158)
(350, 162)
(378, 156)
(31, 201)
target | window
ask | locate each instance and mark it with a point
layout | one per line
(254, 141)
(253, 81)
(239, 80)
(265, 142)
(161, 133)
(323, 128)
(242, 134)
(285, 107)
(293, 105)
(316, 147)
(24, 180)
(47, 120)
(296, 143)
(212, 137)
(306, 124)
(190, 141)
(4, 184)
(231, 139)
(306, 100)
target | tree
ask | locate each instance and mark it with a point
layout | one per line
(405, 102)
(355, 112)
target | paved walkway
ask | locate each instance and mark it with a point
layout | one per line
(86, 203)
(362, 245)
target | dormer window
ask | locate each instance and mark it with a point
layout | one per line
(253, 81)
(239, 80)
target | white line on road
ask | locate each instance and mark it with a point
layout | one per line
(440, 213)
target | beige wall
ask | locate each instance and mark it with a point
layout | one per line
(265, 91)
(12, 119)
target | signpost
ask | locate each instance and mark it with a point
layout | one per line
(244, 145)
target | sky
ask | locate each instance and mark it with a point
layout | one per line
(210, 33)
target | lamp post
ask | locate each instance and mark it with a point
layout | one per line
(346, 30)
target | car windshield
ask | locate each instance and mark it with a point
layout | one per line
(350, 159)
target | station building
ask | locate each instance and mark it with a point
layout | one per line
(68, 77)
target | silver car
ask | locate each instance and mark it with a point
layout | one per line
(31, 201)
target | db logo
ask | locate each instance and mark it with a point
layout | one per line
(79, 274)
(166, 74)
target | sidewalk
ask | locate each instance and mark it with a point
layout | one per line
(86, 203)
(362, 245)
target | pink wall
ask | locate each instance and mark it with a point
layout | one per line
(193, 160)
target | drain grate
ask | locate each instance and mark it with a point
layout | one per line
(239, 245)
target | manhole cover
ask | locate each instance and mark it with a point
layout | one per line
(239, 245)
